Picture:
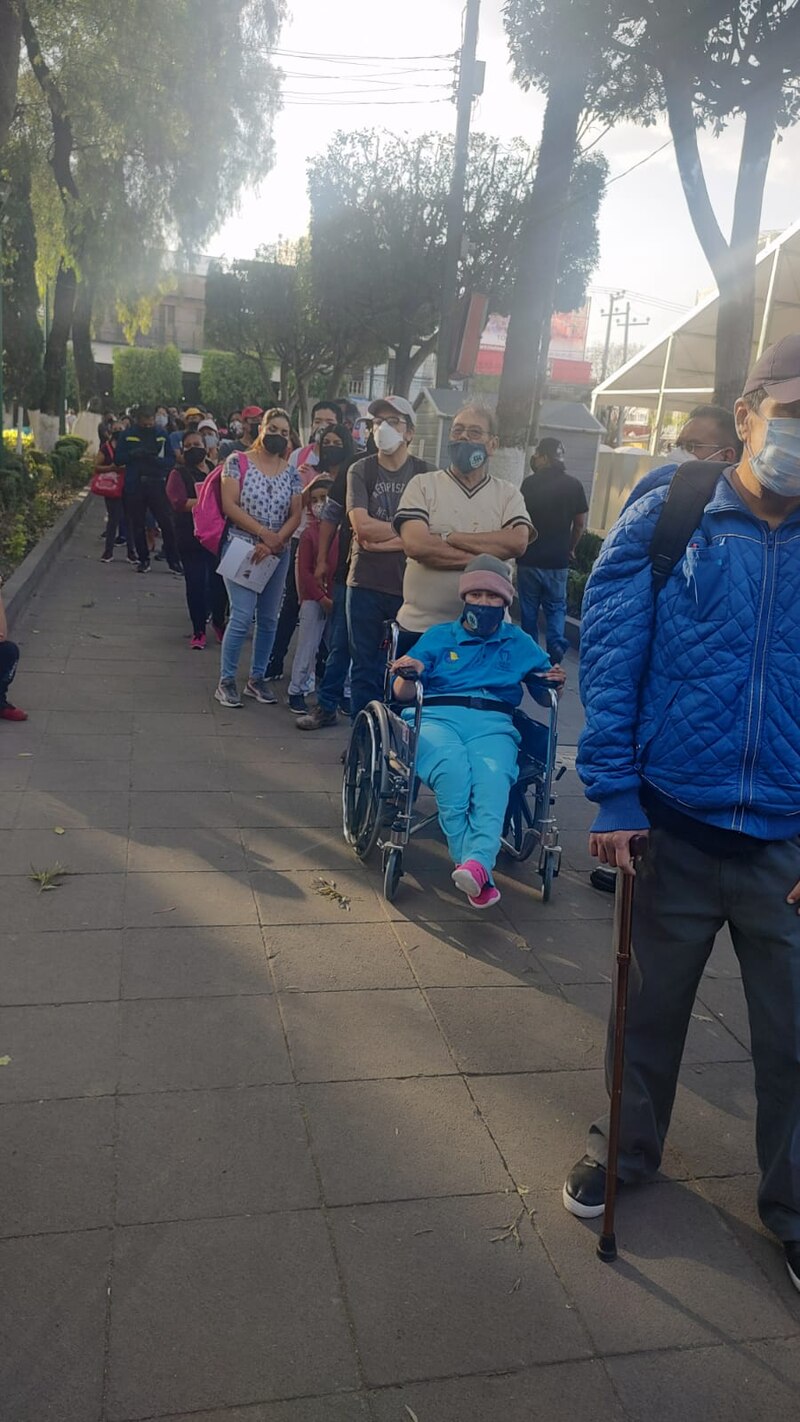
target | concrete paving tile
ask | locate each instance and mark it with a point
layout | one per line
(180, 667)
(65, 692)
(87, 901)
(184, 776)
(424, 896)
(60, 776)
(431, 1294)
(169, 900)
(52, 1326)
(152, 809)
(209, 1313)
(469, 954)
(74, 809)
(741, 1383)
(254, 723)
(59, 966)
(347, 1036)
(723, 962)
(86, 851)
(735, 1199)
(539, 1121)
(573, 897)
(25, 739)
(186, 698)
(725, 999)
(56, 1165)
(291, 749)
(397, 1140)
(294, 898)
(180, 1044)
(159, 851)
(501, 1030)
(573, 950)
(89, 725)
(193, 962)
(342, 956)
(660, 1293)
(159, 728)
(15, 774)
(558, 1392)
(705, 1041)
(10, 803)
(713, 1123)
(340, 1407)
(314, 848)
(305, 810)
(69, 1050)
(272, 773)
(169, 748)
(184, 1155)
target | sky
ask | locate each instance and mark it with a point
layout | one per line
(647, 242)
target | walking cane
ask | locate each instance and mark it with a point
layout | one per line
(623, 915)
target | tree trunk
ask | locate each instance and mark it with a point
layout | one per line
(302, 404)
(407, 362)
(334, 382)
(85, 368)
(55, 356)
(534, 293)
(11, 30)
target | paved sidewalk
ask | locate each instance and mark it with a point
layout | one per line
(260, 1157)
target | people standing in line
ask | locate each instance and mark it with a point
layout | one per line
(692, 737)
(115, 513)
(9, 660)
(556, 503)
(709, 434)
(245, 433)
(208, 429)
(316, 603)
(448, 516)
(205, 591)
(375, 486)
(144, 455)
(306, 461)
(262, 502)
(336, 457)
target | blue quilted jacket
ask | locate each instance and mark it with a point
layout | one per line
(696, 692)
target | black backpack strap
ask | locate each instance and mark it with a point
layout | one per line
(692, 487)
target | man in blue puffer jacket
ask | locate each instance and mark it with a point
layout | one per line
(693, 734)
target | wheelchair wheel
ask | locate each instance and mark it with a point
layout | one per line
(548, 874)
(518, 841)
(392, 872)
(365, 784)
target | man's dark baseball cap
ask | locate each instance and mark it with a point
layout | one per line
(778, 371)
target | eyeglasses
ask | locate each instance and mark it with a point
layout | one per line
(692, 445)
(396, 421)
(474, 432)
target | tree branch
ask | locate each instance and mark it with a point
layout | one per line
(60, 161)
(684, 134)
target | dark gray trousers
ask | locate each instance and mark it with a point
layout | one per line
(683, 898)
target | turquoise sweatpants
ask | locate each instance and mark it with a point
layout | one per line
(469, 760)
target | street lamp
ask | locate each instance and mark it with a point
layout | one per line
(5, 189)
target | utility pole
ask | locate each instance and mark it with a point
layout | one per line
(455, 206)
(609, 314)
(629, 325)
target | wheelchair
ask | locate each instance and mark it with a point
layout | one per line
(380, 786)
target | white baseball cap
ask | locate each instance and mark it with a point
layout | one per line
(398, 403)
(207, 425)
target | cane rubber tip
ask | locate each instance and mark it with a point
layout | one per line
(607, 1248)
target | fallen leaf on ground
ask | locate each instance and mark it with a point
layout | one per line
(47, 878)
(516, 1286)
(169, 910)
(58, 829)
(327, 889)
(24, 755)
(510, 1231)
(5, 1061)
(412, 1415)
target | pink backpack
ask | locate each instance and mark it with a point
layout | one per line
(209, 520)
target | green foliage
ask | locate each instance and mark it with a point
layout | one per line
(586, 552)
(33, 491)
(22, 335)
(147, 377)
(228, 381)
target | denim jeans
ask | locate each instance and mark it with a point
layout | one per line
(337, 666)
(245, 604)
(367, 613)
(309, 635)
(545, 588)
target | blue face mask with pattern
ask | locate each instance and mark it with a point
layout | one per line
(467, 455)
(777, 464)
(482, 621)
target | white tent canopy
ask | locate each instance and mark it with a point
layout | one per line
(677, 371)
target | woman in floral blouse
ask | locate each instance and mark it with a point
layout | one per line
(261, 499)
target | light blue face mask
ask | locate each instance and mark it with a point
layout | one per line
(777, 464)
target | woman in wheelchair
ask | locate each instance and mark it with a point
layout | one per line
(473, 672)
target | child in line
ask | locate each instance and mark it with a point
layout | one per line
(473, 672)
(315, 604)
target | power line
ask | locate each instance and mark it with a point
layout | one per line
(640, 164)
(361, 59)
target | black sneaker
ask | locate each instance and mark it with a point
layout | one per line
(107, 558)
(297, 703)
(176, 570)
(133, 560)
(143, 567)
(584, 1192)
(604, 879)
(160, 556)
(792, 1252)
(344, 705)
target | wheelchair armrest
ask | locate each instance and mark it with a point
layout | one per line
(542, 694)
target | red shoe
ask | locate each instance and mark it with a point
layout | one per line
(219, 632)
(12, 713)
(487, 898)
(470, 877)
(198, 642)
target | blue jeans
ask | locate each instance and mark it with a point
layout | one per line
(545, 588)
(331, 688)
(245, 604)
(469, 760)
(367, 613)
(9, 656)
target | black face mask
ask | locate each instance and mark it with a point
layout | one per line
(331, 456)
(194, 457)
(275, 443)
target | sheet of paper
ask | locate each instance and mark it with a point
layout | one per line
(237, 565)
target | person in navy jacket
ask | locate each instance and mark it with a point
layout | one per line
(693, 736)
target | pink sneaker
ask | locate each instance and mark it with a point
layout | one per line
(487, 898)
(198, 644)
(470, 877)
(219, 632)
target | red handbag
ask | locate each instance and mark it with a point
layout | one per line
(108, 483)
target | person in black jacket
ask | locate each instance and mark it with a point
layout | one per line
(143, 452)
(205, 590)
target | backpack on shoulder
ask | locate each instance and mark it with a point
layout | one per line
(207, 515)
(692, 488)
